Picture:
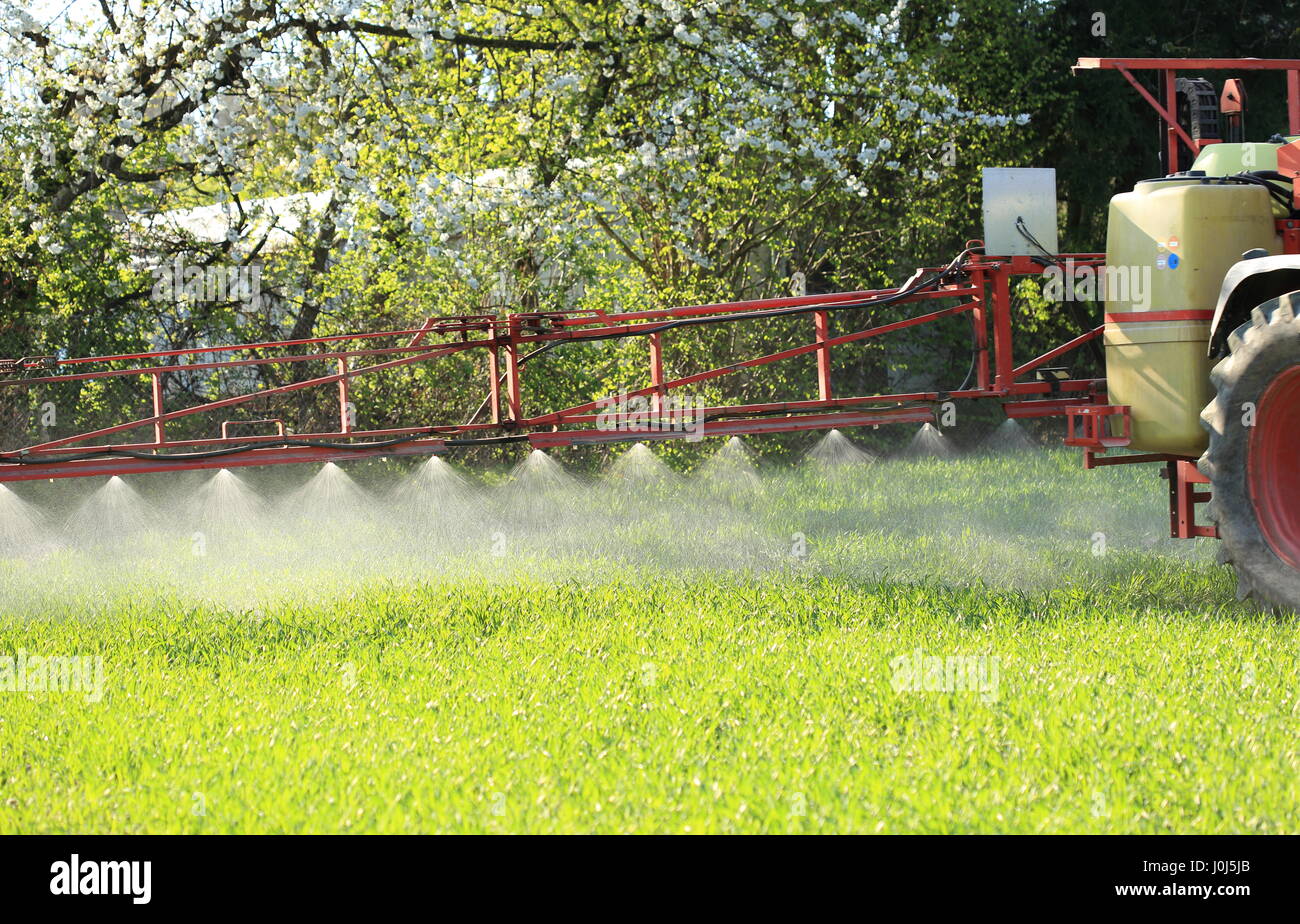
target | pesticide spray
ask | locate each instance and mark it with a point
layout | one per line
(113, 511)
(639, 465)
(226, 501)
(1009, 436)
(249, 538)
(835, 449)
(21, 526)
(930, 443)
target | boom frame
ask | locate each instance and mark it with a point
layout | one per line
(980, 289)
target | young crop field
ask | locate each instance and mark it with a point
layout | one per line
(981, 644)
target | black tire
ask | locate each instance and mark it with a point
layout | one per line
(1255, 487)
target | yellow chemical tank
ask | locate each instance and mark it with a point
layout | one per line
(1169, 244)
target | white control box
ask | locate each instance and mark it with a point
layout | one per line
(1012, 193)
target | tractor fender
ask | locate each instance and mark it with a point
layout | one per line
(1247, 284)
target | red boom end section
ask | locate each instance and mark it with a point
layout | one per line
(51, 466)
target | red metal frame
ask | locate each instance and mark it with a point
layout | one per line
(979, 288)
(1088, 426)
(1184, 477)
(1167, 71)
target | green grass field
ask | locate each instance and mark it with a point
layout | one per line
(713, 654)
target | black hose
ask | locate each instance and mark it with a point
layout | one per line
(1093, 348)
(22, 459)
(1266, 179)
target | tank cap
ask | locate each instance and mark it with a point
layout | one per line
(1254, 253)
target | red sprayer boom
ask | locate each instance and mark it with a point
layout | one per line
(973, 284)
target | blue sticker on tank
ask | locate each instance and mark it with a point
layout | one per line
(1173, 261)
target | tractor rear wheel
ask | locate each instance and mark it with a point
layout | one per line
(1253, 462)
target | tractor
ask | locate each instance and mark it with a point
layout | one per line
(1205, 373)
(1201, 338)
